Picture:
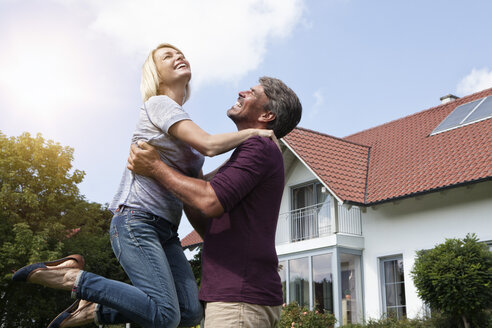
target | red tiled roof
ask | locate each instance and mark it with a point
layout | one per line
(406, 160)
(340, 164)
(192, 239)
(403, 158)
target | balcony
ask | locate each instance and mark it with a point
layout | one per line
(317, 221)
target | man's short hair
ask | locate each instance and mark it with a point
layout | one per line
(284, 103)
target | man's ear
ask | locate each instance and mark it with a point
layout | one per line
(266, 117)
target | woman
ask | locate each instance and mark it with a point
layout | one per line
(144, 228)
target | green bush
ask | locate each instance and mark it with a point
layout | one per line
(394, 323)
(455, 278)
(294, 315)
(437, 320)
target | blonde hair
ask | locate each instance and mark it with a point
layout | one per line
(150, 77)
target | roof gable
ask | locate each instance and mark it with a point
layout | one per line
(340, 164)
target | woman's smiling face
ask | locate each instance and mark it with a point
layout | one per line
(171, 65)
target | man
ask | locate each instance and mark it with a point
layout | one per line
(236, 211)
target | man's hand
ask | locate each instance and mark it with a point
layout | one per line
(196, 193)
(143, 159)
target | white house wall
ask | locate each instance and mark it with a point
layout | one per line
(420, 223)
(402, 228)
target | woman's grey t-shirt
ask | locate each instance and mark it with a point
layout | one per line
(146, 193)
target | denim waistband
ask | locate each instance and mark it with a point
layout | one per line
(122, 209)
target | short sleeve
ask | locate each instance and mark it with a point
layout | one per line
(246, 168)
(164, 112)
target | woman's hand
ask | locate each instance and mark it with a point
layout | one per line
(263, 133)
(267, 133)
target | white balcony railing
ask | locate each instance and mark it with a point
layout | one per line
(316, 221)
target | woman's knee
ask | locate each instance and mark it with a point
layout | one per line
(192, 315)
(168, 318)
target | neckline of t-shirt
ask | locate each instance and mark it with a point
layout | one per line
(165, 96)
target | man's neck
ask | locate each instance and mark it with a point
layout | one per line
(250, 125)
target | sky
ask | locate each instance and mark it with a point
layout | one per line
(70, 69)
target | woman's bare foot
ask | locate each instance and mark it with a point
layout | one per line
(83, 315)
(61, 276)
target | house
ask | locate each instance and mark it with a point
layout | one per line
(355, 210)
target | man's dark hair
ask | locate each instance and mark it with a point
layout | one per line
(283, 102)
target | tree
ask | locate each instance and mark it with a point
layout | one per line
(456, 277)
(44, 217)
(196, 266)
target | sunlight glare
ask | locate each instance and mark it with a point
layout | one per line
(41, 78)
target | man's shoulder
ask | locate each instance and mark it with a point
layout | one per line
(260, 150)
(262, 143)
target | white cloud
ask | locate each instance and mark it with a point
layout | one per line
(319, 100)
(52, 62)
(223, 39)
(477, 80)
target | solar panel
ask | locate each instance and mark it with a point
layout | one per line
(483, 111)
(454, 119)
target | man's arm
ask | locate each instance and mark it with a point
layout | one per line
(197, 194)
(197, 220)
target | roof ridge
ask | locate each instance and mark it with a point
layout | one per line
(419, 112)
(366, 180)
(333, 137)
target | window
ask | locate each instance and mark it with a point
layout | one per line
(323, 283)
(351, 288)
(310, 211)
(311, 283)
(393, 285)
(299, 281)
(282, 271)
(465, 114)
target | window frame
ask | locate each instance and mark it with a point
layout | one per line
(305, 226)
(382, 282)
(336, 251)
(314, 183)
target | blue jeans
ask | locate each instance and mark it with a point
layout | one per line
(164, 292)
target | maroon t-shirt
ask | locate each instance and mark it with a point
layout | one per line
(239, 260)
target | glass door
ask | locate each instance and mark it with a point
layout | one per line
(351, 288)
(310, 211)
